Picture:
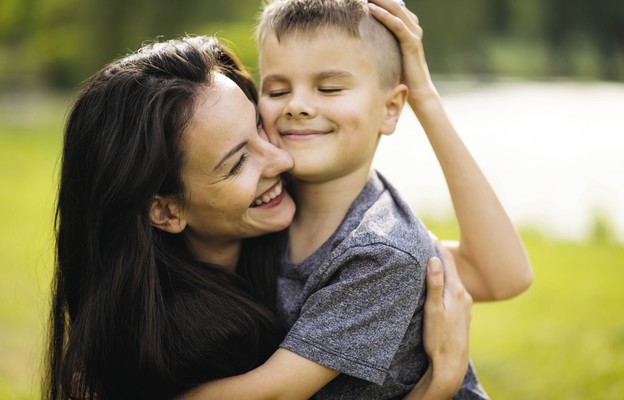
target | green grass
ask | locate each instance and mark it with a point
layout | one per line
(564, 338)
(27, 174)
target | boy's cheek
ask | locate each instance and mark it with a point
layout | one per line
(273, 136)
(274, 139)
(268, 115)
(263, 108)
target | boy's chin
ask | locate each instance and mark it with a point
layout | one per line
(313, 174)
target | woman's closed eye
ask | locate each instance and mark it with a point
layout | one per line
(239, 165)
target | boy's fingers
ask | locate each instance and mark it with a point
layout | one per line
(395, 8)
(391, 5)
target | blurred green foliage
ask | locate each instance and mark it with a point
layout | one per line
(60, 43)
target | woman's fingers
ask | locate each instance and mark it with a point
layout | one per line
(435, 282)
(447, 317)
(450, 269)
(453, 285)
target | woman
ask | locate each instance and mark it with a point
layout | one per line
(140, 308)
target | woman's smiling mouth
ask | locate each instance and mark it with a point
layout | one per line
(271, 197)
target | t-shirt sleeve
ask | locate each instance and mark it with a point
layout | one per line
(356, 321)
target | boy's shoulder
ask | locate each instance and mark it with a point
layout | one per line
(380, 216)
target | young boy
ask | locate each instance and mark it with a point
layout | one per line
(351, 285)
(330, 88)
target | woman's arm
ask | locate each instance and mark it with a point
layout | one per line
(287, 375)
(491, 258)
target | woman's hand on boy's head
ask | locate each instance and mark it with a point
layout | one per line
(405, 25)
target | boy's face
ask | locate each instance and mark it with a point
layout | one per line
(321, 101)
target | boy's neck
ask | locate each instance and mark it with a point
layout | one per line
(321, 207)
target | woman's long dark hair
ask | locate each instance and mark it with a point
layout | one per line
(134, 315)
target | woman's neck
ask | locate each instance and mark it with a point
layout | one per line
(222, 253)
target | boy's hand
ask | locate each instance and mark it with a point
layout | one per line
(446, 330)
(406, 27)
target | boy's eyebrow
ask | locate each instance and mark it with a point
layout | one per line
(329, 74)
(340, 74)
(230, 153)
(274, 78)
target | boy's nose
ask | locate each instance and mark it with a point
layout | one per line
(298, 107)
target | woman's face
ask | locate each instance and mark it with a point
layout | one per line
(231, 172)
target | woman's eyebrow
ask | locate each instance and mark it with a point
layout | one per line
(230, 153)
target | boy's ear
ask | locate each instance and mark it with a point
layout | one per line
(165, 214)
(395, 101)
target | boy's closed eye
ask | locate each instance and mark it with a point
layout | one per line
(278, 93)
(330, 89)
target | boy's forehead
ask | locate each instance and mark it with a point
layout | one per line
(294, 61)
(318, 39)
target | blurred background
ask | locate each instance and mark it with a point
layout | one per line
(535, 88)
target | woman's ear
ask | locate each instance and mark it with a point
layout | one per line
(395, 101)
(165, 215)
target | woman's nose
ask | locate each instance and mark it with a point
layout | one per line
(277, 160)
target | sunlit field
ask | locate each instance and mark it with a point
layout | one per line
(563, 339)
(29, 151)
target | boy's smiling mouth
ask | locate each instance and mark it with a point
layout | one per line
(303, 133)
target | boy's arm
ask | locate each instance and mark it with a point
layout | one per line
(491, 258)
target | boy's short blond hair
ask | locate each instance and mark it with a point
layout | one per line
(352, 17)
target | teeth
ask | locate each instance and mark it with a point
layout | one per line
(267, 197)
(278, 189)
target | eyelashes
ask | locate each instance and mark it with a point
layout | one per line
(243, 158)
(239, 165)
(258, 119)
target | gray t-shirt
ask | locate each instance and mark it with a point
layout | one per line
(356, 304)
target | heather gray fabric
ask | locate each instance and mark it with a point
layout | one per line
(356, 304)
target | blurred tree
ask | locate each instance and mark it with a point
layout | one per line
(606, 29)
(65, 41)
(500, 16)
(61, 42)
(571, 24)
(454, 34)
